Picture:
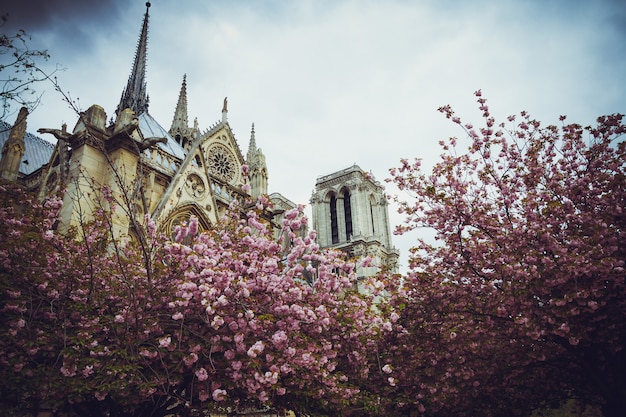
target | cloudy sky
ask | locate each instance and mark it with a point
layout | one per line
(331, 83)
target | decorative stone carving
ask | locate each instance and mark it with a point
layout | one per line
(195, 186)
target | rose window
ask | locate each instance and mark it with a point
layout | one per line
(222, 162)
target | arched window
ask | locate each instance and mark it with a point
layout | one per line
(334, 227)
(182, 215)
(372, 217)
(372, 203)
(347, 211)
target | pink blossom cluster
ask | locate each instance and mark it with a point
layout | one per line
(232, 318)
(525, 282)
(272, 331)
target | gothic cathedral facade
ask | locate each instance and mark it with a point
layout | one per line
(172, 174)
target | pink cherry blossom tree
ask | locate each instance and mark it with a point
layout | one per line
(521, 299)
(233, 320)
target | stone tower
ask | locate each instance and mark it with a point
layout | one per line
(350, 213)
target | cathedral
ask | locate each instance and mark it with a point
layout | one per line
(172, 174)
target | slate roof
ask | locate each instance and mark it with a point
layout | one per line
(151, 128)
(38, 151)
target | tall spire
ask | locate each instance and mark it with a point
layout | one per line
(257, 168)
(252, 146)
(134, 95)
(181, 120)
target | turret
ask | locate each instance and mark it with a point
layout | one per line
(181, 120)
(14, 148)
(257, 168)
(180, 129)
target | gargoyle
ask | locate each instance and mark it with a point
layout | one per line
(148, 142)
(63, 135)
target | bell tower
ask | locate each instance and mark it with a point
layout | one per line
(350, 213)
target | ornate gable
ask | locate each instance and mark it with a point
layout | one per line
(189, 192)
(224, 162)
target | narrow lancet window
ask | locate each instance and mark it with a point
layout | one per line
(333, 220)
(347, 211)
